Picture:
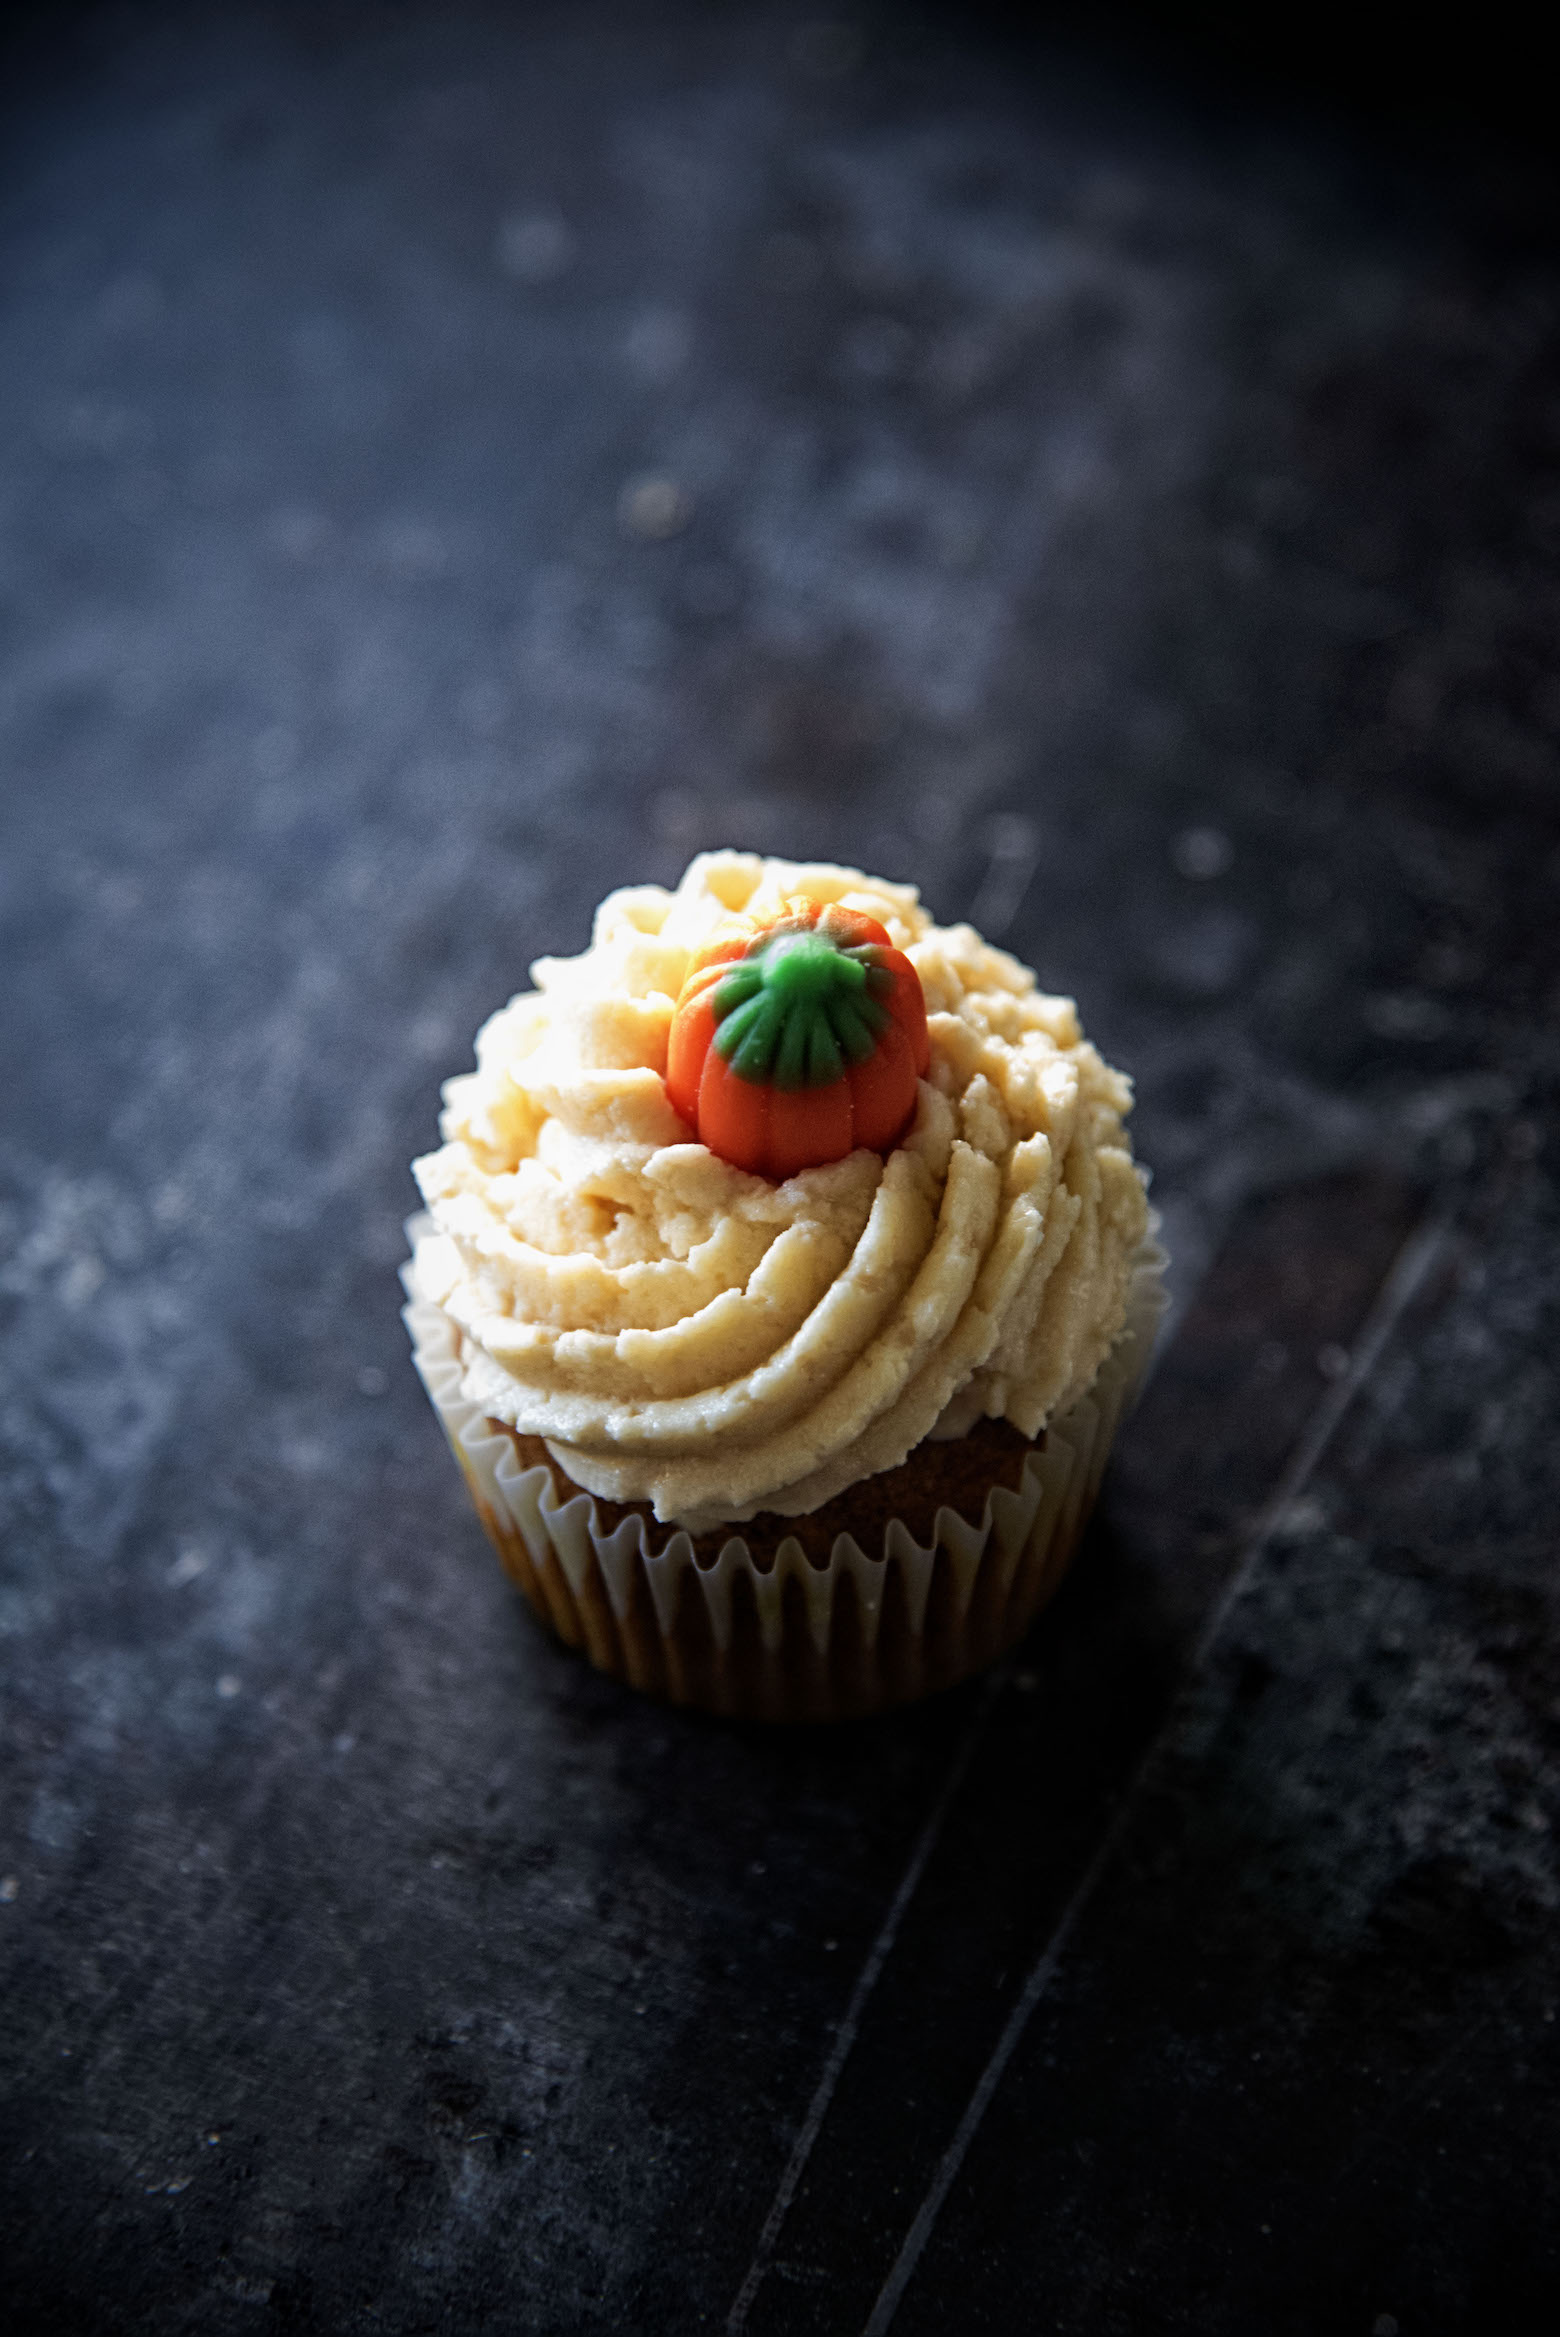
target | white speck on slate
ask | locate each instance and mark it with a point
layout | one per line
(1202, 852)
(535, 247)
(654, 509)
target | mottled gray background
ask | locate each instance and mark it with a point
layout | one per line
(456, 460)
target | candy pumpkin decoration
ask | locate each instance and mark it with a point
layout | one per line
(797, 1037)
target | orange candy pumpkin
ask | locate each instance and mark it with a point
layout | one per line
(796, 1038)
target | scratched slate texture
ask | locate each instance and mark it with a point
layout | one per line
(453, 461)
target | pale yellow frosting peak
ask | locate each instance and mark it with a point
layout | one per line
(686, 1334)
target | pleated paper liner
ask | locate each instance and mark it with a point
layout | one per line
(773, 1634)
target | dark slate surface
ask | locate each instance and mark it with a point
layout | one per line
(453, 462)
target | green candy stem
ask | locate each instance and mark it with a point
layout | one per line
(797, 1010)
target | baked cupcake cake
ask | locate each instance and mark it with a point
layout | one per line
(785, 1271)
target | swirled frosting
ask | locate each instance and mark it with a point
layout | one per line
(688, 1335)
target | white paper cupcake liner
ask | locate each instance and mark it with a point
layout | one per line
(778, 1636)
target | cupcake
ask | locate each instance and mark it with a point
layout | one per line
(784, 1274)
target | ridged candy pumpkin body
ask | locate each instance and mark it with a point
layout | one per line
(798, 1038)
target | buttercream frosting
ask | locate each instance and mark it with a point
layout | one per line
(685, 1334)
